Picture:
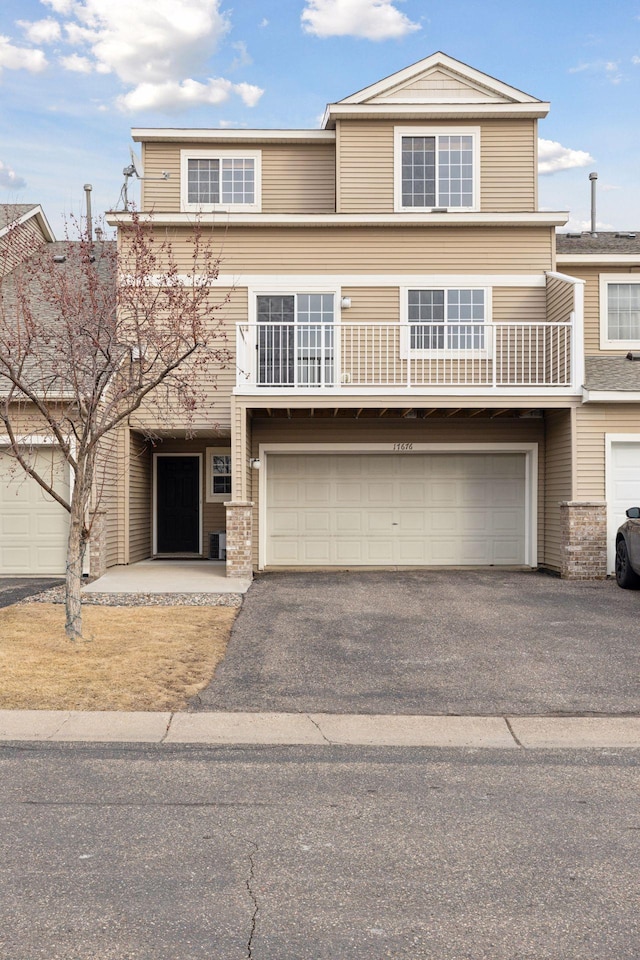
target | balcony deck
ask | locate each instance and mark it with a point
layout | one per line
(348, 358)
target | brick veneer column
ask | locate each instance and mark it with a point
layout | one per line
(98, 545)
(584, 540)
(239, 538)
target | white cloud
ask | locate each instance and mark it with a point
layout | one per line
(60, 6)
(76, 63)
(244, 57)
(610, 69)
(552, 156)
(264, 22)
(573, 225)
(10, 179)
(635, 60)
(20, 58)
(40, 31)
(178, 95)
(372, 19)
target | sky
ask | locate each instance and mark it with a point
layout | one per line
(76, 75)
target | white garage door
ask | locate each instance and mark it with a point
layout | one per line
(623, 490)
(33, 526)
(386, 509)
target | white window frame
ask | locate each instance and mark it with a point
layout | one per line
(264, 290)
(605, 342)
(457, 131)
(210, 453)
(405, 334)
(186, 155)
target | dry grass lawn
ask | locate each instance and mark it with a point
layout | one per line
(138, 658)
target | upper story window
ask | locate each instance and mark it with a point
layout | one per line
(446, 319)
(436, 168)
(227, 180)
(619, 311)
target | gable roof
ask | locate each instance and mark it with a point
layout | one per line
(437, 86)
(14, 214)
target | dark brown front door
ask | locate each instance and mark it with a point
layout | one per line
(178, 504)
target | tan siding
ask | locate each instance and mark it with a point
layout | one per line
(440, 85)
(593, 422)
(591, 276)
(139, 498)
(560, 300)
(296, 178)
(315, 250)
(109, 489)
(449, 430)
(19, 244)
(557, 486)
(507, 165)
(519, 305)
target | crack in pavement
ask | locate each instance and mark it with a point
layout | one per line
(254, 899)
(166, 732)
(320, 730)
(513, 733)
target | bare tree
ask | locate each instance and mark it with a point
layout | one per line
(87, 334)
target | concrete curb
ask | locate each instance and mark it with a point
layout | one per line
(321, 729)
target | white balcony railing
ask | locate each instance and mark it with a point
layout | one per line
(352, 356)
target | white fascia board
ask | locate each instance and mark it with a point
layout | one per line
(564, 276)
(162, 135)
(297, 281)
(496, 397)
(420, 111)
(595, 258)
(440, 59)
(38, 213)
(479, 219)
(610, 396)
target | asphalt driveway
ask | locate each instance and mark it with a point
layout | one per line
(433, 642)
(13, 589)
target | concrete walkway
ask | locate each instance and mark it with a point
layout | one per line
(168, 576)
(321, 730)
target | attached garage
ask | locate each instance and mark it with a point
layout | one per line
(417, 507)
(33, 526)
(623, 485)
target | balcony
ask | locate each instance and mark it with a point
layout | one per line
(358, 358)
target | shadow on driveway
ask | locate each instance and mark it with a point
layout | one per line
(13, 589)
(440, 642)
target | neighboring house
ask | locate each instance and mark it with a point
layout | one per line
(33, 525)
(409, 386)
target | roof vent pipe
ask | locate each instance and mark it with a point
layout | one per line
(593, 177)
(87, 193)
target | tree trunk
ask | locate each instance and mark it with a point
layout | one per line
(76, 549)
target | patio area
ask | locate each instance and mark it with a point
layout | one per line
(168, 576)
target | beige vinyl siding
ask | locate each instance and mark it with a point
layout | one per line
(431, 430)
(19, 244)
(557, 482)
(593, 422)
(439, 84)
(296, 178)
(139, 498)
(110, 488)
(560, 300)
(374, 250)
(216, 381)
(591, 276)
(507, 164)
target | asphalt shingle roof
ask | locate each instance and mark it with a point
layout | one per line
(9, 212)
(620, 241)
(612, 373)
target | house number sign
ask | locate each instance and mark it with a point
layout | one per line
(403, 447)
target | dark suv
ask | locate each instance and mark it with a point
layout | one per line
(628, 551)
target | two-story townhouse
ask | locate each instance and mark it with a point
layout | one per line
(409, 357)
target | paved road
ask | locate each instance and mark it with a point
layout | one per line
(187, 853)
(13, 589)
(432, 642)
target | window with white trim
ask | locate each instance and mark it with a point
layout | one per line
(619, 311)
(295, 339)
(218, 469)
(227, 180)
(436, 168)
(446, 319)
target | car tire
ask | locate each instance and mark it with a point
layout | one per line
(625, 576)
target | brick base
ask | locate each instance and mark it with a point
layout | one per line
(584, 540)
(98, 546)
(239, 539)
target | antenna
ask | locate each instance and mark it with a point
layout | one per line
(135, 169)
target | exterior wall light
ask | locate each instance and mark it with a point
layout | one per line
(345, 303)
(254, 463)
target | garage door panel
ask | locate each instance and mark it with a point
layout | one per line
(623, 491)
(33, 525)
(416, 509)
